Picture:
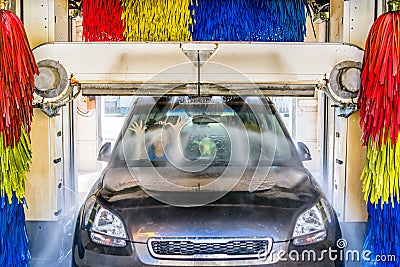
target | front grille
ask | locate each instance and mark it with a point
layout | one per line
(209, 248)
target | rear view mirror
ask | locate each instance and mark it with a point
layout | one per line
(303, 151)
(105, 152)
(205, 119)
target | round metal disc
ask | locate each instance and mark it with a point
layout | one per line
(52, 82)
(345, 82)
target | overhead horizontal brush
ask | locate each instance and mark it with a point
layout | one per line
(196, 20)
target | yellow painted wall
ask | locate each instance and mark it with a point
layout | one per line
(44, 21)
(355, 209)
(41, 181)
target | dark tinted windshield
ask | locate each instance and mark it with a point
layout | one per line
(212, 131)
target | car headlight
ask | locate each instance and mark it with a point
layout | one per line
(105, 227)
(310, 226)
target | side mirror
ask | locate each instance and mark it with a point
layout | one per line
(105, 152)
(303, 151)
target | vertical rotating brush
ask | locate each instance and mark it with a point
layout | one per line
(379, 102)
(17, 69)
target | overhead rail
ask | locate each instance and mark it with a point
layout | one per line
(206, 68)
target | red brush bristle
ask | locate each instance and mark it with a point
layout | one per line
(379, 96)
(17, 69)
(102, 20)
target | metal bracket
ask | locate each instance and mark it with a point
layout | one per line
(4, 5)
(198, 56)
(394, 5)
(345, 110)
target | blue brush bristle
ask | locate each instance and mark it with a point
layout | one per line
(14, 249)
(243, 20)
(383, 235)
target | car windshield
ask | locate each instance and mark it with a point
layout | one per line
(212, 131)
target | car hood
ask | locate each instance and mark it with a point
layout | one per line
(268, 209)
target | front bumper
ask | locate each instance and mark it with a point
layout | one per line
(87, 253)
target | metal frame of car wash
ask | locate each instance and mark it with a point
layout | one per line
(203, 68)
(98, 69)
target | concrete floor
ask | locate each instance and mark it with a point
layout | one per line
(58, 252)
(51, 241)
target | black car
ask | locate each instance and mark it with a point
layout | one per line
(205, 181)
